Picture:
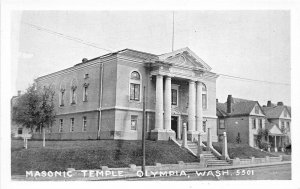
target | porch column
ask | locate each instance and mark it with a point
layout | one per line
(275, 147)
(167, 103)
(199, 113)
(159, 103)
(191, 110)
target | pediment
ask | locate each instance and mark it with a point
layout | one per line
(184, 57)
(275, 130)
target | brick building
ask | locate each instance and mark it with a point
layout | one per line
(102, 98)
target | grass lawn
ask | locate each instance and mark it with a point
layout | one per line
(241, 151)
(59, 155)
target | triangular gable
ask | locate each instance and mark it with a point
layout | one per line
(185, 57)
(275, 130)
(288, 115)
(261, 112)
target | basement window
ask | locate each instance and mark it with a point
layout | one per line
(133, 122)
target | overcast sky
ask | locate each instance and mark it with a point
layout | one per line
(248, 44)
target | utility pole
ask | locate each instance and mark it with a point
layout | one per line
(143, 133)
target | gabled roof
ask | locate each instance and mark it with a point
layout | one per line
(274, 111)
(198, 60)
(273, 128)
(239, 107)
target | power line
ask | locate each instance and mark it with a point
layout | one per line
(95, 45)
(254, 80)
(78, 40)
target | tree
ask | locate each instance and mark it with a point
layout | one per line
(35, 109)
(260, 134)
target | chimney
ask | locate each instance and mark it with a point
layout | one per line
(269, 104)
(19, 93)
(279, 103)
(84, 60)
(229, 103)
(217, 101)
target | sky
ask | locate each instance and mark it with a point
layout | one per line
(247, 44)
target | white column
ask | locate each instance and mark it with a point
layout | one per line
(167, 104)
(184, 136)
(159, 103)
(191, 108)
(275, 147)
(209, 143)
(225, 150)
(199, 114)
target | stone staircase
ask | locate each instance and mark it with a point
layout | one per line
(209, 157)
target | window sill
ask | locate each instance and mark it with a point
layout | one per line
(136, 101)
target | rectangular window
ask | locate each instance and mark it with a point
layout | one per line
(285, 113)
(61, 122)
(222, 124)
(134, 91)
(72, 125)
(174, 97)
(84, 122)
(133, 122)
(204, 126)
(256, 109)
(288, 126)
(85, 98)
(20, 131)
(253, 123)
(204, 101)
(282, 125)
(260, 123)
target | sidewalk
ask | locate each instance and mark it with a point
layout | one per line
(114, 173)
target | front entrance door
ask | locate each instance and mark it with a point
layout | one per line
(174, 123)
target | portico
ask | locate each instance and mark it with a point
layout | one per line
(192, 75)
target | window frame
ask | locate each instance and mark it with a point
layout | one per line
(260, 123)
(61, 124)
(204, 93)
(135, 83)
(72, 123)
(133, 118)
(175, 87)
(20, 129)
(73, 95)
(62, 97)
(85, 92)
(253, 123)
(223, 120)
(84, 124)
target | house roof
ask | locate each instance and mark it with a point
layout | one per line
(239, 107)
(273, 128)
(274, 111)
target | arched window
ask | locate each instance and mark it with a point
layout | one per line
(135, 75)
(73, 91)
(62, 92)
(135, 86)
(204, 97)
